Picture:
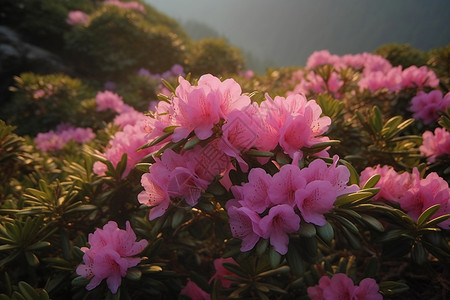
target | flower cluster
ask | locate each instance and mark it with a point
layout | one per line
(426, 106)
(128, 5)
(377, 74)
(435, 145)
(218, 111)
(77, 17)
(128, 140)
(342, 287)
(55, 140)
(270, 207)
(413, 194)
(110, 255)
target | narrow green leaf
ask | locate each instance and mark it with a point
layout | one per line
(177, 218)
(261, 246)
(155, 141)
(426, 215)
(436, 220)
(260, 153)
(274, 258)
(352, 198)
(191, 143)
(144, 167)
(295, 261)
(392, 288)
(372, 181)
(168, 85)
(38, 245)
(236, 269)
(27, 291)
(31, 259)
(377, 119)
(374, 223)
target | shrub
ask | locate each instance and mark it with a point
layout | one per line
(120, 41)
(214, 56)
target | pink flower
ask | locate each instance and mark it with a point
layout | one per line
(221, 271)
(109, 100)
(341, 287)
(244, 224)
(280, 221)
(77, 17)
(49, 141)
(128, 141)
(322, 57)
(426, 106)
(436, 144)
(196, 109)
(155, 194)
(284, 185)
(425, 193)
(128, 5)
(392, 185)
(255, 192)
(367, 290)
(419, 77)
(110, 256)
(193, 291)
(314, 200)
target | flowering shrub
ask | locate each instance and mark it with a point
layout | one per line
(318, 188)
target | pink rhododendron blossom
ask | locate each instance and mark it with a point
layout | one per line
(314, 200)
(436, 144)
(426, 106)
(425, 193)
(193, 291)
(109, 100)
(244, 224)
(280, 221)
(110, 255)
(221, 271)
(419, 77)
(342, 287)
(55, 140)
(255, 192)
(77, 17)
(128, 5)
(128, 141)
(319, 58)
(414, 195)
(284, 185)
(367, 290)
(392, 184)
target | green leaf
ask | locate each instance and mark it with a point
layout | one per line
(27, 291)
(260, 153)
(307, 229)
(191, 143)
(294, 260)
(392, 288)
(177, 218)
(168, 85)
(261, 246)
(38, 245)
(134, 274)
(436, 220)
(374, 223)
(321, 146)
(80, 281)
(274, 258)
(426, 215)
(419, 254)
(236, 269)
(155, 141)
(372, 181)
(326, 232)
(144, 167)
(31, 259)
(352, 198)
(377, 119)
(170, 129)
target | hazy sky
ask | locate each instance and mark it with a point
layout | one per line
(286, 32)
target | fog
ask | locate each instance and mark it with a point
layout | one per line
(285, 32)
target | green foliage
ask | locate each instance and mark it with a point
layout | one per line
(402, 55)
(110, 49)
(41, 102)
(214, 56)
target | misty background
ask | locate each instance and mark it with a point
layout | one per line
(274, 33)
